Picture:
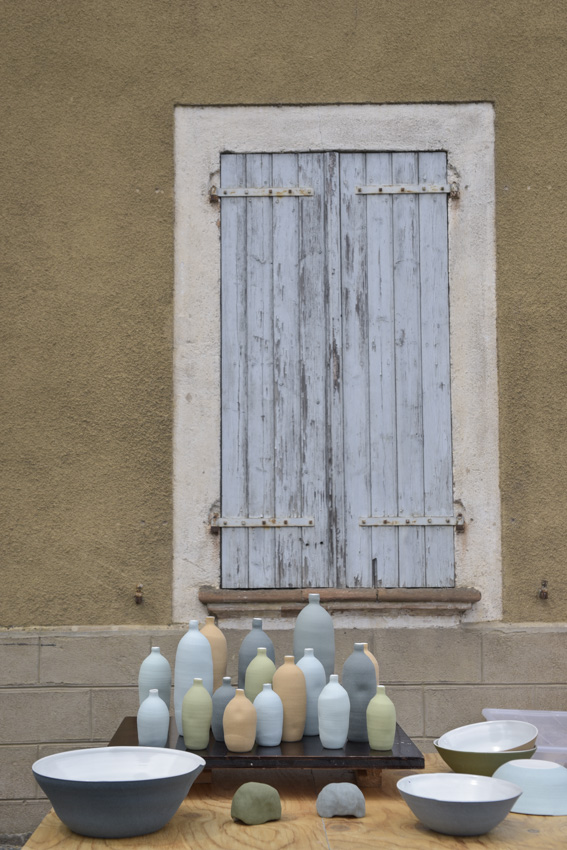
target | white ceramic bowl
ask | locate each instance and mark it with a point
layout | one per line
(117, 792)
(458, 803)
(543, 783)
(491, 736)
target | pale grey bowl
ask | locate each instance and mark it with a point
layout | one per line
(458, 803)
(117, 792)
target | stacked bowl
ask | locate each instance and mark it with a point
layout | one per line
(481, 748)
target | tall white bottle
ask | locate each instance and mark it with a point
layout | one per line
(193, 659)
(315, 681)
(334, 711)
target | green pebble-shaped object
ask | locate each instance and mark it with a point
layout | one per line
(256, 802)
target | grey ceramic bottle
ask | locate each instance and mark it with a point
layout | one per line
(314, 628)
(359, 681)
(249, 649)
(221, 698)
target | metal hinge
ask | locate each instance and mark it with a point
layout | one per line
(260, 522)
(410, 189)
(380, 521)
(218, 193)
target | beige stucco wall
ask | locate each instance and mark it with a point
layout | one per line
(88, 91)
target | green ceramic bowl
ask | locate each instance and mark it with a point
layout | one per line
(481, 764)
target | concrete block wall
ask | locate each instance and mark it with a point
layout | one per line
(67, 688)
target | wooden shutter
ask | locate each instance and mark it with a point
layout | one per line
(335, 372)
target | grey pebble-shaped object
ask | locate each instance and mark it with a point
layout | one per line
(340, 799)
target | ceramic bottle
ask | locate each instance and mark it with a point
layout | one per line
(193, 658)
(239, 723)
(221, 697)
(381, 720)
(269, 711)
(153, 721)
(333, 709)
(155, 672)
(315, 680)
(249, 646)
(359, 681)
(218, 648)
(374, 661)
(197, 712)
(289, 685)
(314, 628)
(260, 670)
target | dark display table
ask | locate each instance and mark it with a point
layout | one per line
(308, 752)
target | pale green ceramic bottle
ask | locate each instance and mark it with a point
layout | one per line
(381, 720)
(196, 714)
(259, 672)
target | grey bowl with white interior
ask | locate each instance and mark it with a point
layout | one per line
(458, 803)
(117, 792)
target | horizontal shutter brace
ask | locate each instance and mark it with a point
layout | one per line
(410, 189)
(260, 522)
(373, 521)
(261, 192)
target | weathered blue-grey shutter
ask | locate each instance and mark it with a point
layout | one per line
(335, 372)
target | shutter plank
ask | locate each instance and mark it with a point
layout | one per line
(315, 571)
(285, 214)
(262, 571)
(335, 459)
(355, 371)
(408, 372)
(234, 464)
(382, 370)
(439, 541)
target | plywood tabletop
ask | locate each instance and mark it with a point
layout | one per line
(203, 821)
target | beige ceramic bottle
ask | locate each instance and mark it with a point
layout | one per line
(218, 649)
(374, 661)
(239, 723)
(289, 684)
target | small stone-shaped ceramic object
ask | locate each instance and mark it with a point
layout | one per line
(340, 799)
(259, 672)
(256, 802)
(218, 649)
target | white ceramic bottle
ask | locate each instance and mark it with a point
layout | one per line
(153, 721)
(315, 681)
(333, 708)
(269, 721)
(155, 672)
(193, 659)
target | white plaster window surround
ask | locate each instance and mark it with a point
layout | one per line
(466, 133)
